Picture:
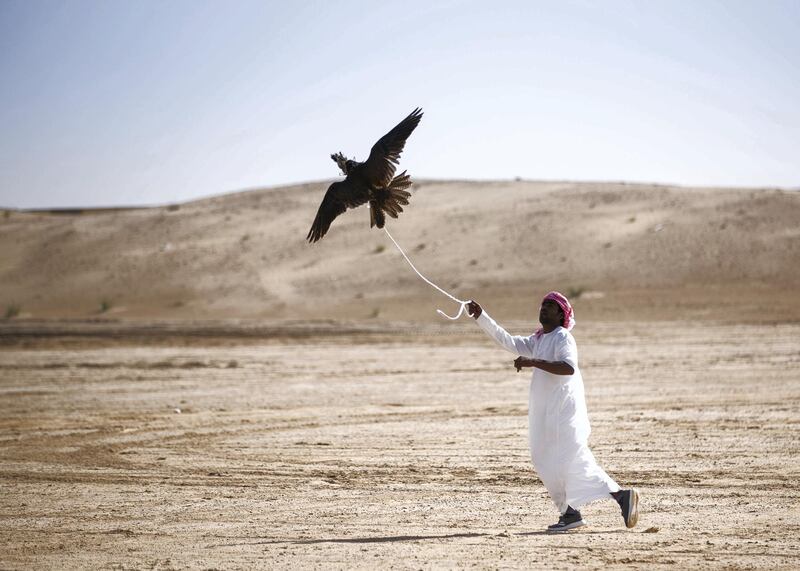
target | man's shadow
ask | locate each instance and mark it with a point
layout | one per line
(400, 538)
(388, 539)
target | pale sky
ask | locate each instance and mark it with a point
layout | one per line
(150, 102)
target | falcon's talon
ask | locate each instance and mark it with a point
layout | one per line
(343, 162)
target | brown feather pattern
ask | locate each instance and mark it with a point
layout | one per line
(372, 181)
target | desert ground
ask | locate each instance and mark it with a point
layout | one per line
(194, 387)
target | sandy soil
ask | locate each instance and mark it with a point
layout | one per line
(390, 447)
(195, 386)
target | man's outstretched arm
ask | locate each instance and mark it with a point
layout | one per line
(513, 343)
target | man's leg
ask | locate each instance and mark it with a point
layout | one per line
(570, 519)
(628, 501)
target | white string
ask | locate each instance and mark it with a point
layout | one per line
(429, 282)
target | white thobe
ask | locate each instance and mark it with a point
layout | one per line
(558, 423)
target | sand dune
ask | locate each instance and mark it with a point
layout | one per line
(711, 251)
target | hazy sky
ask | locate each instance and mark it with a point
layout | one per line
(137, 102)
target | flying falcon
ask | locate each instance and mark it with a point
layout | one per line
(372, 181)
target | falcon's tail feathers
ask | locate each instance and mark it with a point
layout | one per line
(389, 200)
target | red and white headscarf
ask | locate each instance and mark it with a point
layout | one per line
(563, 303)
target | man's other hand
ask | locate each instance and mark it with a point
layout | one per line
(521, 362)
(474, 309)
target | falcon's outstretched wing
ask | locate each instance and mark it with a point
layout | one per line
(385, 154)
(339, 197)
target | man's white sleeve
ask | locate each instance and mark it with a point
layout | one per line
(567, 350)
(514, 343)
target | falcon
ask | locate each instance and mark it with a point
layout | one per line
(372, 181)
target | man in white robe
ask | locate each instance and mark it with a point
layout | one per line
(558, 422)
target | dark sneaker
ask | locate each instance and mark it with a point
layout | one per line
(569, 520)
(629, 503)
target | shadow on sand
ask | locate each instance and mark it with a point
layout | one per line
(399, 538)
(391, 538)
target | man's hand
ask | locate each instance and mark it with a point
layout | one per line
(474, 309)
(521, 362)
